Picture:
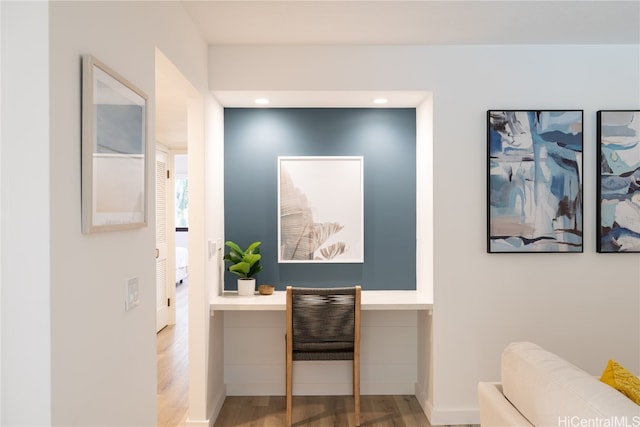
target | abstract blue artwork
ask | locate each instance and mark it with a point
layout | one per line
(618, 214)
(534, 181)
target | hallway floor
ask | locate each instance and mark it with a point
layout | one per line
(173, 364)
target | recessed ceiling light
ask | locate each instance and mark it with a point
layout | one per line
(380, 101)
(261, 101)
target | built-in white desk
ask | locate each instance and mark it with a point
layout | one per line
(395, 349)
(371, 300)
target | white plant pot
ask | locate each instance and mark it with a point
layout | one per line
(246, 287)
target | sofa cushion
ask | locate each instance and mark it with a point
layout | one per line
(550, 391)
(618, 377)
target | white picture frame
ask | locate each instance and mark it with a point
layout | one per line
(320, 209)
(114, 150)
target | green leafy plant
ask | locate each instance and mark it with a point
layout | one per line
(244, 263)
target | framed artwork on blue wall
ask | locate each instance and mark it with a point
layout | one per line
(320, 209)
(618, 191)
(534, 181)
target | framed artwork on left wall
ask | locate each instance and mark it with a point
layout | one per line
(534, 181)
(114, 150)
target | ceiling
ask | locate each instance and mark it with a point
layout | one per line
(416, 22)
(391, 22)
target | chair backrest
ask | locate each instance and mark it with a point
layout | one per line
(323, 323)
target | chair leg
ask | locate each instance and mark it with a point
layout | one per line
(289, 354)
(356, 390)
(289, 381)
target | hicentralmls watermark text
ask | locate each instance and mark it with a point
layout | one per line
(576, 421)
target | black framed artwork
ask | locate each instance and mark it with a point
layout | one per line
(618, 191)
(534, 181)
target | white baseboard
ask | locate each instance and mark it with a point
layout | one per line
(216, 406)
(452, 417)
(217, 403)
(423, 400)
(439, 417)
(198, 423)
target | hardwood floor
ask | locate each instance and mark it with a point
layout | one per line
(321, 411)
(265, 411)
(173, 365)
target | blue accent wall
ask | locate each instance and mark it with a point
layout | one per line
(386, 138)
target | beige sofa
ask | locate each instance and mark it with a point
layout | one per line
(539, 388)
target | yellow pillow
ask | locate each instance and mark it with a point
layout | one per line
(622, 380)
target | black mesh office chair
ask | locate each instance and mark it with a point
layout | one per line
(323, 324)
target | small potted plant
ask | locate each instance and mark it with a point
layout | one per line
(245, 264)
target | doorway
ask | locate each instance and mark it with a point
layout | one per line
(163, 261)
(174, 99)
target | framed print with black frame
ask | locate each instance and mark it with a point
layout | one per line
(534, 181)
(618, 186)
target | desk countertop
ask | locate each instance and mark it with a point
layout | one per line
(371, 300)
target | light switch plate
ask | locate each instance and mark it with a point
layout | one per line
(132, 294)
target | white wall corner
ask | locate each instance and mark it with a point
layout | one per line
(26, 229)
(424, 197)
(199, 423)
(427, 408)
(437, 417)
(422, 397)
(217, 401)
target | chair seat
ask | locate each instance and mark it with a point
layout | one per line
(323, 346)
(323, 355)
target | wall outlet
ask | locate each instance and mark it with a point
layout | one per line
(132, 294)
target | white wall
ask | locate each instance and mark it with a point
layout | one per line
(424, 245)
(26, 352)
(1, 213)
(70, 354)
(568, 303)
(214, 207)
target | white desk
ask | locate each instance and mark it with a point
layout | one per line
(371, 300)
(394, 346)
